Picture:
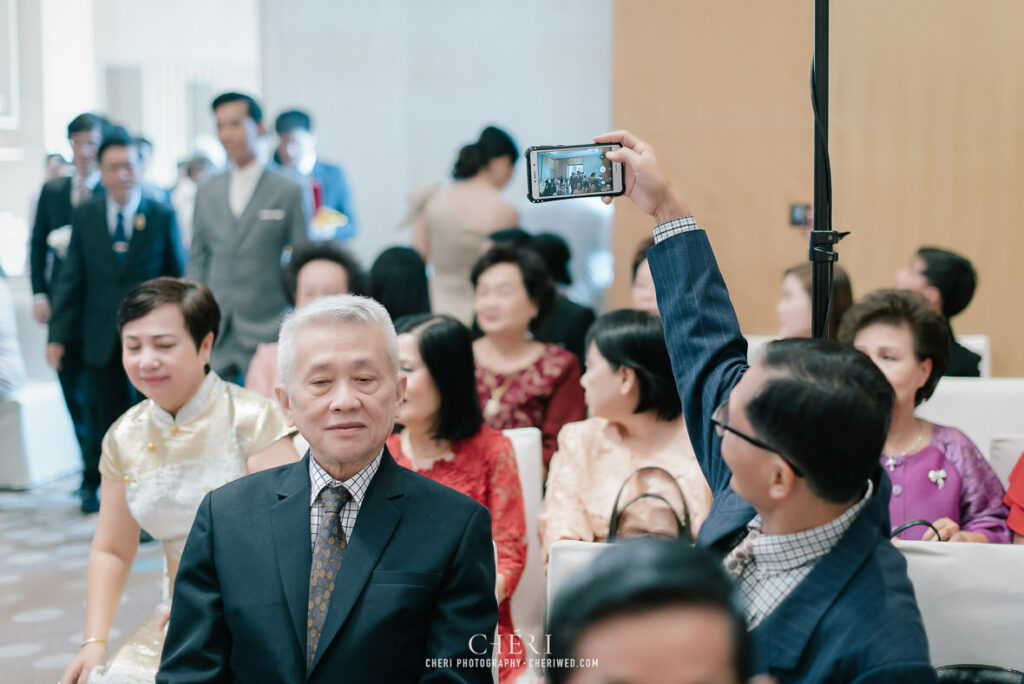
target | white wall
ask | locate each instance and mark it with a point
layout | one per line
(69, 73)
(21, 147)
(185, 51)
(397, 86)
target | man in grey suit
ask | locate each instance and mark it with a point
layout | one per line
(245, 219)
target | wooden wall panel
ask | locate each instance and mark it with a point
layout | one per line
(927, 126)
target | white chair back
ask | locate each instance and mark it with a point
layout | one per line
(983, 408)
(756, 342)
(971, 599)
(565, 560)
(528, 599)
(982, 346)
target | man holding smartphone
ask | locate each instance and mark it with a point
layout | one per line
(800, 501)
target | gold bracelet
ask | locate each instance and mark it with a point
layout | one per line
(92, 640)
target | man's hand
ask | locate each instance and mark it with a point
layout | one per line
(54, 354)
(41, 310)
(646, 184)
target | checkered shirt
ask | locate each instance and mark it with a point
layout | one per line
(674, 227)
(781, 562)
(356, 486)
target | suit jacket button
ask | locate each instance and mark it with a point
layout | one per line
(151, 446)
(127, 479)
(174, 429)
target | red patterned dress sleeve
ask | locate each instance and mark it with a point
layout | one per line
(505, 501)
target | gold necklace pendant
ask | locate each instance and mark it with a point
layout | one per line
(491, 407)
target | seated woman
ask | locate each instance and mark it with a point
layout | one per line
(192, 434)
(398, 280)
(1015, 500)
(318, 269)
(636, 421)
(937, 473)
(642, 286)
(794, 307)
(521, 382)
(445, 439)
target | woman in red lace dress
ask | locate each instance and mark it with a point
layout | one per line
(444, 438)
(521, 382)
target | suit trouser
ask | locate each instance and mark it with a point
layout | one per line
(72, 385)
(110, 395)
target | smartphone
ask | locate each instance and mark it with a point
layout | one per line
(556, 172)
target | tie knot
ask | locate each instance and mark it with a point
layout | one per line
(333, 498)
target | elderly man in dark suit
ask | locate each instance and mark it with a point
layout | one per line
(118, 240)
(790, 448)
(344, 567)
(52, 224)
(245, 220)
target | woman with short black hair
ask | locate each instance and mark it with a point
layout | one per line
(635, 421)
(521, 382)
(192, 434)
(444, 438)
(398, 280)
(937, 472)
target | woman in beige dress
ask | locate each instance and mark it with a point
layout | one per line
(192, 434)
(451, 231)
(635, 421)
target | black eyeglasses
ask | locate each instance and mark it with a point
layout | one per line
(718, 420)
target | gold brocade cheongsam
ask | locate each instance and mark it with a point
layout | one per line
(168, 464)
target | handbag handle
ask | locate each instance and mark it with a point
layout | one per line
(682, 526)
(914, 523)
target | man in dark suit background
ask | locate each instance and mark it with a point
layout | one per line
(947, 280)
(118, 240)
(343, 566)
(57, 200)
(296, 150)
(790, 447)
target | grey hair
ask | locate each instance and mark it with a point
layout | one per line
(344, 308)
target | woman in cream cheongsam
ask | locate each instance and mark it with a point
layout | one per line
(192, 434)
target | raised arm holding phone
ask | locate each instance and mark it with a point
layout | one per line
(789, 446)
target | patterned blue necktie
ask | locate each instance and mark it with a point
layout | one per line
(120, 240)
(327, 553)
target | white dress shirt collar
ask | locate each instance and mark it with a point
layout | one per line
(128, 211)
(242, 182)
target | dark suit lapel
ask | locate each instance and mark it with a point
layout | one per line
(378, 518)
(65, 207)
(145, 216)
(289, 522)
(97, 242)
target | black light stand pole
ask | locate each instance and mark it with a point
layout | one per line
(823, 238)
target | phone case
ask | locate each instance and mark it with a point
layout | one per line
(529, 176)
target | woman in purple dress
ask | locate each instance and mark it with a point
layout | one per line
(937, 473)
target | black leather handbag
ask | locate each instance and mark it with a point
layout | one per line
(685, 531)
